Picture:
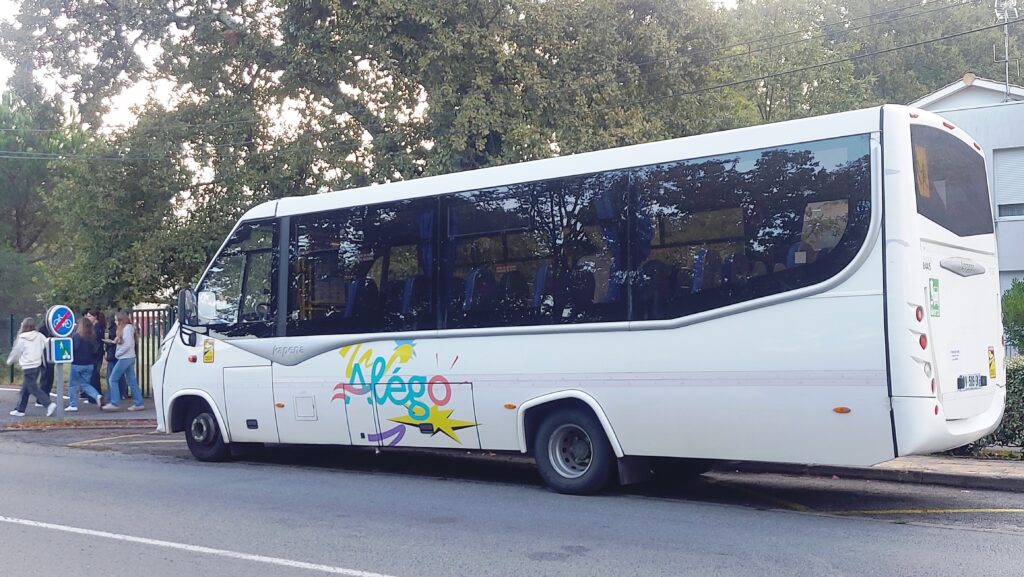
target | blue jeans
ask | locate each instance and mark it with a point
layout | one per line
(126, 368)
(80, 377)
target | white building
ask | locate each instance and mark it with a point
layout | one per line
(980, 107)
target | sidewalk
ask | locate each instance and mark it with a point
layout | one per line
(86, 412)
(963, 472)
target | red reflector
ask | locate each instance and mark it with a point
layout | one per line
(919, 313)
(936, 409)
(914, 115)
(948, 125)
(924, 341)
(978, 146)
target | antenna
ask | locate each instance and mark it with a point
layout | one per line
(1006, 10)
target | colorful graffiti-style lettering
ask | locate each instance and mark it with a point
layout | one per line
(379, 380)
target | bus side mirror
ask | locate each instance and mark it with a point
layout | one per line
(188, 310)
(188, 317)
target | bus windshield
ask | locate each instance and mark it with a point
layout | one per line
(952, 189)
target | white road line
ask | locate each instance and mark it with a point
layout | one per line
(195, 548)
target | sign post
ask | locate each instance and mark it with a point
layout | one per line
(61, 322)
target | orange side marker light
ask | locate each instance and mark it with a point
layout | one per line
(842, 410)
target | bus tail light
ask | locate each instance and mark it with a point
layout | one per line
(923, 341)
(936, 409)
(919, 313)
(933, 386)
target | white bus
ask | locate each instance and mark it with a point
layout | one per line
(822, 291)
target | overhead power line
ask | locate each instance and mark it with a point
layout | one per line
(690, 56)
(800, 69)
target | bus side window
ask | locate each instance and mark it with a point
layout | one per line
(750, 225)
(363, 269)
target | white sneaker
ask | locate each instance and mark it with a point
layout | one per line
(137, 408)
(70, 409)
(50, 409)
(17, 413)
(38, 404)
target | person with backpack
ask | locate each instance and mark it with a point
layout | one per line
(46, 370)
(124, 352)
(45, 374)
(83, 345)
(29, 350)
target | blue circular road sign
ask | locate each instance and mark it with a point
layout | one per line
(60, 320)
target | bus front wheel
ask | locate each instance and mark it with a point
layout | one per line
(572, 452)
(203, 435)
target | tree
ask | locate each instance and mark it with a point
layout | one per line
(272, 98)
(1013, 314)
(31, 139)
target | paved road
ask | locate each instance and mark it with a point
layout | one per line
(135, 505)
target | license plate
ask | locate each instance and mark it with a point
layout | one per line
(967, 382)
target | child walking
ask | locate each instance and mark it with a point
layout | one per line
(28, 350)
(125, 365)
(84, 344)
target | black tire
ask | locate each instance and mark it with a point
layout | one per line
(203, 435)
(572, 452)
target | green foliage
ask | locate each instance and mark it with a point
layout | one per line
(1011, 432)
(271, 98)
(1013, 314)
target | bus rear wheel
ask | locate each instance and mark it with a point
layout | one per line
(572, 452)
(203, 435)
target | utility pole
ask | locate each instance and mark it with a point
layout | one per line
(1006, 11)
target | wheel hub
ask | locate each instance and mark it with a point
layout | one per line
(202, 429)
(570, 451)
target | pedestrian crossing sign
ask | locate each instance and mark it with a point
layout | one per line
(61, 351)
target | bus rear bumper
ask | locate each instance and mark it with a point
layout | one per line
(919, 430)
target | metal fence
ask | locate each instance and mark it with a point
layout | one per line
(151, 325)
(8, 332)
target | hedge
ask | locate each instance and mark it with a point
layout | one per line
(1011, 432)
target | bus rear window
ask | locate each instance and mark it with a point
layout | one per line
(952, 189)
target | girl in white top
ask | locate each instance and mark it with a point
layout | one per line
(28, 350)
(125, 365)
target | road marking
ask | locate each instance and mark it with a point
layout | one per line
(102, 439)
(922, 511)
(195, 548)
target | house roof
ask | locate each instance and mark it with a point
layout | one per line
(969, 80)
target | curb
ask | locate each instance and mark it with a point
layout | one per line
(91, 424)
(915, 477)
